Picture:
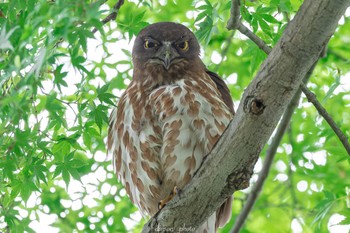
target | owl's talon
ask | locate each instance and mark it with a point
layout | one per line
(172, 194)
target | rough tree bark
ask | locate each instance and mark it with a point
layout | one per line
(230, 164)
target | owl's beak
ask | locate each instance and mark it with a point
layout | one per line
(167, 54)
(167, 59)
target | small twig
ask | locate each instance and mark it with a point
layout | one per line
(225, 49)
(10, 148)
(270, 155)
(291, 176)
(257, 40)
(2, 15)
(35, 111)
(235, 15)
(286, 16)
(112, 15)
(7, 87)
(103, 2)
(47, 135)
(334, 53)
(63, 102)
(235, 23)
(311, 97)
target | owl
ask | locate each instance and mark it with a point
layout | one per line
(168, 119)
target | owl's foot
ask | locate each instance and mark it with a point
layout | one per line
(172, 194)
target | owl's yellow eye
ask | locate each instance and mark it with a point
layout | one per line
(148, 44)
(183, 45)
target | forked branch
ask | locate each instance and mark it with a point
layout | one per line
(311, 97)
(262, 45)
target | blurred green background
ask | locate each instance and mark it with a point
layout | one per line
(59, 82)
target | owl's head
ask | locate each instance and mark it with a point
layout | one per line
(165, 44)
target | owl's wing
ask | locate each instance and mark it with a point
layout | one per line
(222, 87)
(223, 214)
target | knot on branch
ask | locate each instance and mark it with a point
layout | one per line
(239, 180)
(254, 105)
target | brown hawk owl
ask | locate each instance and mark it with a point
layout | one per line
(170, 117)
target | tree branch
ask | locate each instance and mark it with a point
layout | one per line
(2, 14)
(260, 109)
(235, 14)
(235, 23)
(263, 46)
(311, 97)
(270, 155)
(225, 49)
(257, 40)
(271, 152)
(112, 15)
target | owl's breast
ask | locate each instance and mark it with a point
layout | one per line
(161, 137)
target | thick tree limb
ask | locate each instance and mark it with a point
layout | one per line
(261, 107)
(323, 112)
(263, 46)
(270, 155)
(271, 152)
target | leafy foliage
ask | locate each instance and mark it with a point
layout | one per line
(59, 82)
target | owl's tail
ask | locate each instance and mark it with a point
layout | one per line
(208, 226)
(223, 214)
(218, 219)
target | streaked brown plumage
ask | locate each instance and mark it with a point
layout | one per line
(170, 117)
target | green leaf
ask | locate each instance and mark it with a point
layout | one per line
(65, 176)
(57, 171)
(74, 173)
(257, 56)
(106, 97)
(100, 115)
(324, 207)
(60, 149)
(103, 89)
(205, 30)
(269, 18)
(44, 146)
(127, 52)
(4, 38)
(27, 189)
(334, 86)
(345, 221)
(76, 163)
(285, 5)
(59, 76)
(69, 157)
(40, 171)
(254, 24)
(87, 140)
(265, 27)
(201, 16)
